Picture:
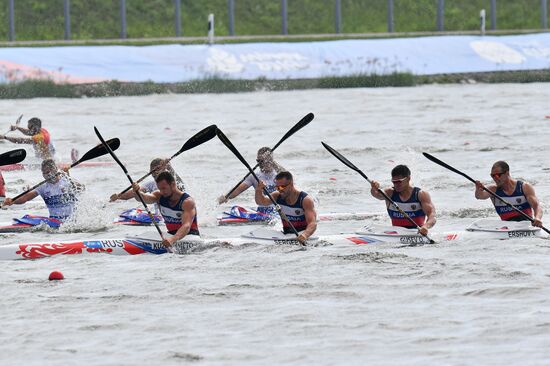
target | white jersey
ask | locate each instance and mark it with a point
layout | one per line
(60, 197)
(269, 180)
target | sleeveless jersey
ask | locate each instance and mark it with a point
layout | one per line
(60, 197)
(518, 199)
(295, 213)
(43, 146)
(172, 215)
(412, 207)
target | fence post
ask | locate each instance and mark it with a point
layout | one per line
(544, 13)
(210, 29)
(177, 17)
(122, 19)
(493, 14)
(440, 15)
(67, 14)
(231, 14)
(284, 18)
(390, 16)
(482, 21)
(11, 16)
(338, 16)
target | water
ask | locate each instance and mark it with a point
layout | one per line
(476, 302)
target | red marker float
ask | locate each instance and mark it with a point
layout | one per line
(56, 276)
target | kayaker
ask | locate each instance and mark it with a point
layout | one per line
(269, 168)
(40, 138)
(2, 189)
(295, 204)
(176, 207)
(516, 192)
(414, 201)
(157, 165)
(59, 192)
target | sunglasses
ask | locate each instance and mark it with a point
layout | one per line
(281, 188)
(497, 175)
(259, 161)
(394, 181)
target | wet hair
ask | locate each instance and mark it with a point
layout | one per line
(165, 176)
(48, 163)
(401, 171)
(35, 122)
(502, 165)
(284, 175)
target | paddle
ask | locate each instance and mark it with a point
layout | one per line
(445, 165)
(112, 153)
(95, 152)
(233, 149)
(200, 137)
(303, 122)
(16, 123)
(12, 157)
(340, 157)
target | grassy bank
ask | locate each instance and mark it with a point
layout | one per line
(100, 19)
(37, 89)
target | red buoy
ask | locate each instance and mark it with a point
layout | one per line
(56, 276)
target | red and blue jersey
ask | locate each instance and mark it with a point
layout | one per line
(295, 213)
(172, 215)
(517, 199)
(412, 207)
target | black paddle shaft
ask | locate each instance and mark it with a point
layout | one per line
(298, 126)
(231, 147)
(348, 163)
(493, 194)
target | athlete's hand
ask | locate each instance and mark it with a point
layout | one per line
(261, 185)
(302, 239)
(13, 127)
(222, 199)
(374, 185)
(167, 242)
(7, 202)
(113, 197)
(135, 187)
(537, 222)
(479, 185)
(423, 230)
(2, 137)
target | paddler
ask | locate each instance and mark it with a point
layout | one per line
(516, 192)
(157, 166)
(269, 168)
(59, 192)
(176, 207)
(414, 201)
(40, 138)
(295, 204)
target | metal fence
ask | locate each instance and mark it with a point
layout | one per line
(353, 10)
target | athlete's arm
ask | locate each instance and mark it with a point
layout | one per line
(482, 194)
(18, 140)
(187, 218)
(311, 219)
(147, 197)
(262, 199)
(429, 209)
(375, 191)
(24, 130)
(529, 193)
(240, 189)
(126, 195)
(24, 198)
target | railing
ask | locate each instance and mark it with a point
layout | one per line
(341, 11)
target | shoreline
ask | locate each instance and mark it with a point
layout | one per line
(48, 89)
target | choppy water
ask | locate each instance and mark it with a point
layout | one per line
(477, 302)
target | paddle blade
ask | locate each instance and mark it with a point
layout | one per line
(302, 123)
(98, 151)
(13, 157)
(339, 156)
(234, 150)
(445, 165)
(199, 138)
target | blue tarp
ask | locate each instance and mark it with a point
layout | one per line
(176, 63)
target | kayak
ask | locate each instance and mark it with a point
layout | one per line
(238, 215)
(132, 217)
(86, 164)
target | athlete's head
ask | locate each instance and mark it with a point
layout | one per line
(264, 158)
(284, 183)
(500, 172)
(49, 168)
(34, 125)
(400, 177)
(166, 183)
(158, 165)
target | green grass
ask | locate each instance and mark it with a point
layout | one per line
(37, 89)
(99, 19)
